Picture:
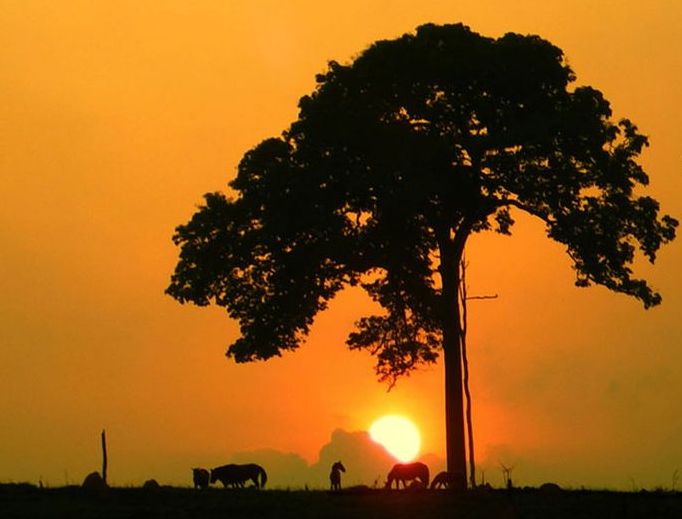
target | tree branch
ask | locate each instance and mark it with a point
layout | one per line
(519, 205)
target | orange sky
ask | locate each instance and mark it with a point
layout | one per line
(117, 116)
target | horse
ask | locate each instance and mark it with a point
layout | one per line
(407, 472)
(238, 475)
(335, 475)
(442, 480)
(201, 478)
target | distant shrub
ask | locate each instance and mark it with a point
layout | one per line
(151, 484)
(94, 483)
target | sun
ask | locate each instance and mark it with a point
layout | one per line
(398, 435)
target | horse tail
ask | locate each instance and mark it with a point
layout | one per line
(263, 476)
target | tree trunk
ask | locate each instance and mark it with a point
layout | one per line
(452, 354)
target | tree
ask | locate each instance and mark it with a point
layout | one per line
(394, 161)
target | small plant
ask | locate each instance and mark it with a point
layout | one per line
(506, 474)
(676, 477)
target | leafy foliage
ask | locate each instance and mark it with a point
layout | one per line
(395, 159)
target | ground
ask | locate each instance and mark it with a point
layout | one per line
(26, 501)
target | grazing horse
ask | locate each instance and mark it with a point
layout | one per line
(201, 478)
(335, 475)
(442, 480)
(407, 472)
(237, 475)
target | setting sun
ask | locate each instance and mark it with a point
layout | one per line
(398, 435)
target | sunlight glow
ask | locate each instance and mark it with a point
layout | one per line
(398, 435)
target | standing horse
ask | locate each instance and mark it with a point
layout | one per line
(335, 475)
(407, 472)
(201, 478)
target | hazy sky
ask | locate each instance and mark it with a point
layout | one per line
(117, 116)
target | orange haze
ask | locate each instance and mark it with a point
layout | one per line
(117, 116)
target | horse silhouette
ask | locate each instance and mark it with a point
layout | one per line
(442, 480)
(407, 472)
(335, 475)
(201, 478)
(238, 475)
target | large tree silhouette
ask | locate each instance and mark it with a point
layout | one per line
(394, 161)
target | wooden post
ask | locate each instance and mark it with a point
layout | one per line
(104, 456)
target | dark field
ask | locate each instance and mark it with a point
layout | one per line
(24, 501)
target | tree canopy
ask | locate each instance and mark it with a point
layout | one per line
(394, 161)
